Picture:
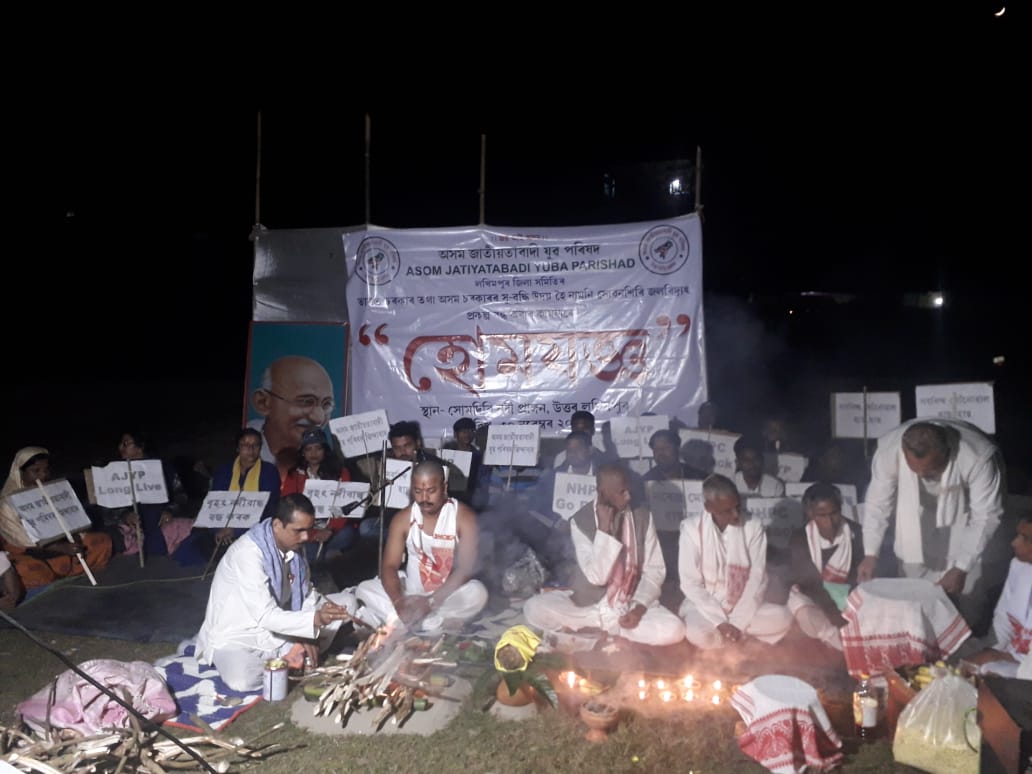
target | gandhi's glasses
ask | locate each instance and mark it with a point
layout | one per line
(307, 402)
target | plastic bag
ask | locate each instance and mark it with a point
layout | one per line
(524, 577)
(933, 731)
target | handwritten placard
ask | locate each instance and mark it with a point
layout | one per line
(361, 433)
(970, 402)
(673, 500)
(238, 510)
(329, 497)
(791, 466)
(512, 445)
(780, 517)
(399, 494)
(111, 483)
(847, 414)
(709, 451)
(456, 465)
(848, 492)
(41, 525)
(631, 434)
(571, 493)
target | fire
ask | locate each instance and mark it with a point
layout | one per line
(571, 678)
(716, 698)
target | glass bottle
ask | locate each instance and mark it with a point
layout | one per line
(867, 710)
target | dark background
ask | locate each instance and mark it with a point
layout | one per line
(864, 151)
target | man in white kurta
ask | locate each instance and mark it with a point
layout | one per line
(722, 561)
(619, 575)
(439, 535)
(262, 604)
(749, 478)
(943, 479)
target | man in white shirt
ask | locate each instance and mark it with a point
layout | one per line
(750, 479)
(619, 573)
(943, 479)
(262, 604)
(722, 562)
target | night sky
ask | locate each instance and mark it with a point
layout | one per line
(859, 151)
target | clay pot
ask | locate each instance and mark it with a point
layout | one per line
(525, 694)
(599, 718)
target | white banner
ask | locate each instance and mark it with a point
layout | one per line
(361, 433)
(39, 520)
(847, 414)
(527, 325)
(631, 435)
(111, 483)
(970, 402)
(237, 510)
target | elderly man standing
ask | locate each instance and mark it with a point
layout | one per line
(295, 396)
(722, 561)
(619, 573)
(440, 538)
(262, 604)
(943, 480)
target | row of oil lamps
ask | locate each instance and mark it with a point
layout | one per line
(687, 688)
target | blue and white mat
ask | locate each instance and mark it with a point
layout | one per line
(200, 693)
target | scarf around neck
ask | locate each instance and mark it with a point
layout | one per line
(272, 562)
(251, 482)
(839, 563)
(623, 580)
(725, 560)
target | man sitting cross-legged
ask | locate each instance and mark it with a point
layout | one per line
(619, 573)
(722, 565)
(262, 604)
(440, 537)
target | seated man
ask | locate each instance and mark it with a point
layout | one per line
(262, 604)
(619, 573)
(666, 452)
(750, 479)
(722, 563)
(440, 537)
(823, 559)
(1012, 618)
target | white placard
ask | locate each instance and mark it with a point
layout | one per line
(709, 451)
(641, 467)
(970, 402)
(631, 434)
(457, 467)
(41, 525)
(847, 414)
(238, 510)
(399, 493)
(111, 483)
(673, 500)
(571, 493)
(848, 492)
(361, 433)
(791, 466)
(513, 445)
(330, 496)
(780, 517)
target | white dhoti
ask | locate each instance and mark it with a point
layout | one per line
(813, 621)
(770, 623)
(462, 604)
(553, 611)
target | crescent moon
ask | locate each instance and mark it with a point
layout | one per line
(1000, 12)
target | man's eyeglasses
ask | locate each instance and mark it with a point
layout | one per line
(306, 402)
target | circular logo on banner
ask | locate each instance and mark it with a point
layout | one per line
(378, 261)
(663, 249)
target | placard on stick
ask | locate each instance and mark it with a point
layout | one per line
(327, 496)
(671, 501)
(631, 434)
(515, 445)
(791, 466)
(238, 510)
(571, 493)
(111, 483)
(40, 523)
(780, 517)
(971, 402)
(457, 464)
(847, 414)
(709, 451)
(361, 433)
(399, 494)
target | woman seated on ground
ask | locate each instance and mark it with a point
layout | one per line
(38, 566)
(316, 460)
(163, 531)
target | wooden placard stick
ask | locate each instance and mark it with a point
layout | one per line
(68, 534)
(218, 545)
(136, 512)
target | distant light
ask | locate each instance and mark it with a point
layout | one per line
(791, 311)
(1000, 12)
(675, 186)
(998, 360)
(937, 299)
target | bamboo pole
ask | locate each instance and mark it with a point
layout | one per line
(136, 512)
(68, 533)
